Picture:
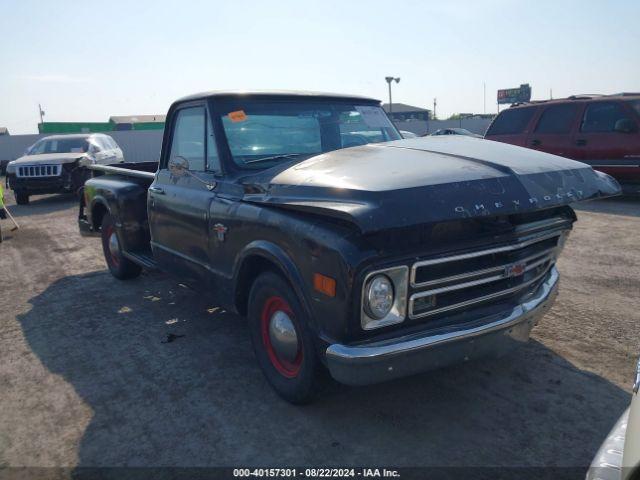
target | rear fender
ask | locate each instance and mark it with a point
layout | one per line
(128, 207)
(99, 207)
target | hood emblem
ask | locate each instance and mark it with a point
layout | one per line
(514, 270)
(220, 230)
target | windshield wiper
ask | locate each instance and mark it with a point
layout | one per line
(273, 157)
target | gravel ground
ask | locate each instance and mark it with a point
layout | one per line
(85, 379)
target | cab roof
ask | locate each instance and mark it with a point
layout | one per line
(276, 94)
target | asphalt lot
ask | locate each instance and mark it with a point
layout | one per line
(85, 378)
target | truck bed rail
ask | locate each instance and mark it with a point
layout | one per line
(122, 171)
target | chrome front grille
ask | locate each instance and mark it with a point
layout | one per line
(38, 171)
(456, 282)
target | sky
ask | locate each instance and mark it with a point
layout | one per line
(88, 60)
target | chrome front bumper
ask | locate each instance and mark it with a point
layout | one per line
(363, 364)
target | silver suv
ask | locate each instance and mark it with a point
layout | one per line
(57, 164)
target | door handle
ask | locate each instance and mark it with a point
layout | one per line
(536, 142)
(157, 190)
(581, 142)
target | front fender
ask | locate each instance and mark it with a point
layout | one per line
(277, 256)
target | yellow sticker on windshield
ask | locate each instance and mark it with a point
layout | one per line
(237, 116)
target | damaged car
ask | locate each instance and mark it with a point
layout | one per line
(57, 164)
(373, 261)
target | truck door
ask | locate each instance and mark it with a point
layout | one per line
(609, 141)
(554, 129)
(180, 197)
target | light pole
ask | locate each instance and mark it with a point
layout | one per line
(389, 80)
(484, 97)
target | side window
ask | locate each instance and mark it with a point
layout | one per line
(188, 137)
(557, 119)
(213, 162)
(635, 104)
(602, 117)
(511, 121)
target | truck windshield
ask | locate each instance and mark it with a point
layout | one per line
(263, 134)
(67, 145)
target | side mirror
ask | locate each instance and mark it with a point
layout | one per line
(179, 166)
(625, 125)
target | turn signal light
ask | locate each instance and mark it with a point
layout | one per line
(324, 284)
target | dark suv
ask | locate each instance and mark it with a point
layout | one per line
(602, 131)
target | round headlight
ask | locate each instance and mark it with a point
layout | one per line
(379, 297)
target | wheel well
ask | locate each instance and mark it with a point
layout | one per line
(97, 214)
(251, 268)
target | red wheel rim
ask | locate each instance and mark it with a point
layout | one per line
(115, 259)
(286, 368)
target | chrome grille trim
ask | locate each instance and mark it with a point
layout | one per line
(460, 280)
(481, 253)
(473, 301)
(548, 255)
(31, 171)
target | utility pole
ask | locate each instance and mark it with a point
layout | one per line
(389, 80)
(41, 113)
(435, 102)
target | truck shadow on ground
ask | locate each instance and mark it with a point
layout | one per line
(42, 204)
(200, 399)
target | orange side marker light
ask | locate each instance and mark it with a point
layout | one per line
(324, 284)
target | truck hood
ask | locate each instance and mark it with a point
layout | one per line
(428, 179)
(47, 158)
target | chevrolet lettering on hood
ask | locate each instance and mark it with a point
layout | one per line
(496, 206)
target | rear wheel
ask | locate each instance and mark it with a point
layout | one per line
(119, 266)
(22, 198)
(281, 339)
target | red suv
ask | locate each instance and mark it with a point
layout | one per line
(602, 131)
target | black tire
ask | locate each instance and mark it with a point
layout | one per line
(22, 198)
(120, 267)
(296, 381)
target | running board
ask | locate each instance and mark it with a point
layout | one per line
(143, 259)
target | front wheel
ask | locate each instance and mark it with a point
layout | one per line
(281, 339)
(119, 266)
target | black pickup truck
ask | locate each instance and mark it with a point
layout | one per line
(346, 247)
